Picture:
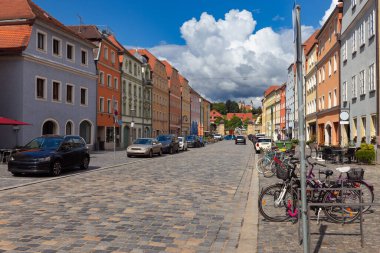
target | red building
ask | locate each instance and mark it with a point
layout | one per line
(174, 85)
(214, 114)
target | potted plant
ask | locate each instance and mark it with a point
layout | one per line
(373, 139)
(366, 153)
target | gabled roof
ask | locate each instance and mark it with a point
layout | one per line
(87, 31)
(152, 60)
(169, 68)
(310, 42)
(14, 37)
(18, 13)
(270, 90)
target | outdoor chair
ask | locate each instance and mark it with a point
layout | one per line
(328, 154)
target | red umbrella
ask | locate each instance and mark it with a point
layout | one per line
(6, 121)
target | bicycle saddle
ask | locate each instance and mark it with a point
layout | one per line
(343, 169)
(327, 172)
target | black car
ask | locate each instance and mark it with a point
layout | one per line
(193, 141)
(240, 139)
(170, 143)
(50, 154)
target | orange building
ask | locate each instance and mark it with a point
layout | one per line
(174, 86)
(328, 83)
(108, 95)
(214, 114)
(160, 98)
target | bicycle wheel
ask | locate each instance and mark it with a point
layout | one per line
(271, 210)
(342, 214)
(367, 193)
(270, 169)
(262, 163)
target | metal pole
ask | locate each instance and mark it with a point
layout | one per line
(301, 130)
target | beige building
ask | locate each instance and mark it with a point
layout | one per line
(271, 117)
(185, 106)
(310, 85)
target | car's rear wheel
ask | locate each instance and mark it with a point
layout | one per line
(56, 169)
(171, 150)
(160, 153)
(150, 154)
(85, 163)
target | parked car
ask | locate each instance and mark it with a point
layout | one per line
(240, 139)
(263, 143)
(50, 154)
(229, 137)
(144, 147)
(170, 143)
(193, 141)
(218, 137)
(182, 143)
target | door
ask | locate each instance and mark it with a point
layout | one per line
(127, 134)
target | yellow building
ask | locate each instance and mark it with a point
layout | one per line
(271, 112)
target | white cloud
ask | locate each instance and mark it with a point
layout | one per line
(227, 59)
(328, 12)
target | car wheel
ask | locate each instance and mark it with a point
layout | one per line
(171, 150)
(85, 163)
(150, 154)
(177, 151)
(56, 169)
(160, 153)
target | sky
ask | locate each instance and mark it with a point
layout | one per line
(227, 49)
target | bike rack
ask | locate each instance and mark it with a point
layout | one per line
(309, 205)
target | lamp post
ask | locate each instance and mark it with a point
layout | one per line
(200, 116)
(132, 123)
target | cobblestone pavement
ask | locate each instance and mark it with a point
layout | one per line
(188, 202)
(283, 236)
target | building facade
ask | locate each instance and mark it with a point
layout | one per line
(358, 72)
(48, 75)
(283, 111)
(185, 106)
(195, 112)
(328, 78)
(108, 88)
(271, 109)
(160, 94)
(290, 101)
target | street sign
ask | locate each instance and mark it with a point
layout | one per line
(120, 122)
(344, 122)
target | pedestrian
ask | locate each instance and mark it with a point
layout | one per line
(279, 137)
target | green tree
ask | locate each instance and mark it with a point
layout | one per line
(232, 106)
(220, 107)
(233, 123)
(217, 120)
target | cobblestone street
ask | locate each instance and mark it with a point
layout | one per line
(188, 202)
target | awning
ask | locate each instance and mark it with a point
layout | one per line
(7, 121)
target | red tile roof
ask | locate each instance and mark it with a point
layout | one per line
(310, 42)
(14, 37)
(242, 116)
(87, 31)
(270, 90)
(16, 9)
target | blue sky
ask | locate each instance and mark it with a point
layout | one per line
(227, 49)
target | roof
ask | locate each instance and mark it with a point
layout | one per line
(152, 60)
(242, 116)
(14, 37)
(270, 90)
(215, 113)
(19, 13)
(310, 42)
(87, 31)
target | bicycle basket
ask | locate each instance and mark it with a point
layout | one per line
(282, 172)
(355, 174)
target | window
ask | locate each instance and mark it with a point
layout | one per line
(330, 67)
(41, 41)
(83, 96)
(56, 91)
(323, 74)
(353, 38)
(354, 87)
(344, 92)
(109, 82)
(335, 64)
(40, 88)
(371, 78)
(113, 57)
(344, 51)
(373, 125)
(335, 98)
(135, 69)
(69, 94)
(106, 53)
(130, 67)
(69, 128)
(109, 105)
(84, 59)
(361, 82)
(70, 52)
(329, 100)
(101, 78)
(363, 126)
(354, 128)
(361, 34)
(57, 48)
(116, 83)
(319, 76)
(371, 24)
(323, 102)
(101, 104)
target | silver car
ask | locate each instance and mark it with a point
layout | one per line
(144, 147)
(182, 143)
